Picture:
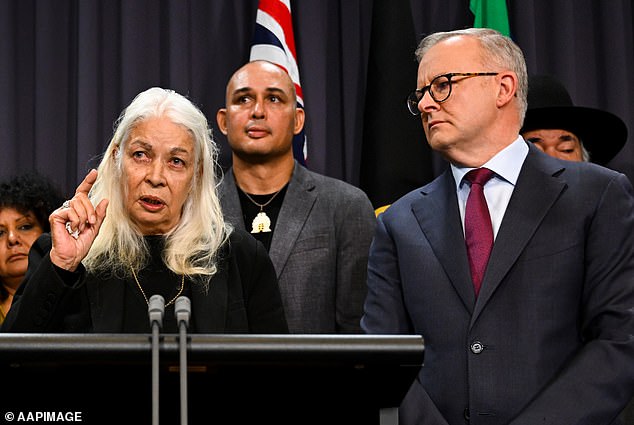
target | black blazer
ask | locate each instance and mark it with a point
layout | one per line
(243, 297)
(549, 339)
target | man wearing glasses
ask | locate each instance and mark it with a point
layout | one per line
(516, 268)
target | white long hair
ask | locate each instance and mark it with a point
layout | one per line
(192, 247)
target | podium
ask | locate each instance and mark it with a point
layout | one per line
(232, 379)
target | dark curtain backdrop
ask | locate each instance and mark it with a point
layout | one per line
(68, 68)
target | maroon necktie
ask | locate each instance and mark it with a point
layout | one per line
(477, 226)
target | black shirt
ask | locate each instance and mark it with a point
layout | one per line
(250, 210)
(155, 278)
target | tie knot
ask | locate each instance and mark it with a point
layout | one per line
(479, 176)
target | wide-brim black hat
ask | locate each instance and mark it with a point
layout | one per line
(602, 133)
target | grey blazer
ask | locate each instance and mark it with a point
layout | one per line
(549, 338)
(319, 250)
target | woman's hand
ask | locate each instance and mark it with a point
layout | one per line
(75, 225)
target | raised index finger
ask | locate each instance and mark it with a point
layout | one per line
(85, 186)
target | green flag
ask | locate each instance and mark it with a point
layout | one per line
(491, 14)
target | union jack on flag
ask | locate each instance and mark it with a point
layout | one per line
(273, 41)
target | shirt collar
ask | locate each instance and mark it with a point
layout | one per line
(506, 164)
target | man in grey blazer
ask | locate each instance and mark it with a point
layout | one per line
(548, 336)
(317, 229)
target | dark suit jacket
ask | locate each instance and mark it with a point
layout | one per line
(319, 249)
(550, 339)
(242, 297)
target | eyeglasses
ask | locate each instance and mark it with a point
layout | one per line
(439, 89)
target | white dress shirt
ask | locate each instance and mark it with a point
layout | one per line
(506, 165)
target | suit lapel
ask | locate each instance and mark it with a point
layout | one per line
(230, 201)
(439, 218)
(537, 189)
(298, 202)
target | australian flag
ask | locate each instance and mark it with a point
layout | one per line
(273, 41)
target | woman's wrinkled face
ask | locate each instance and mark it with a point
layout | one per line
(158, 168)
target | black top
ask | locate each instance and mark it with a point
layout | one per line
(155, 278)
(272, 210)
(242, 297)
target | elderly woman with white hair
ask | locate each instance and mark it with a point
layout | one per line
(148, 222)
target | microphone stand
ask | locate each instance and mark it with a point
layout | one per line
(182, 308)
(156, 311)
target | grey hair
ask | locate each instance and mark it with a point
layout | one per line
(499, 50)
(192, 247)
(585, 154)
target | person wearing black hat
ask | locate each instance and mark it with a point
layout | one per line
(561, 129)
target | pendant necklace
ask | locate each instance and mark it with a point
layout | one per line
(261, 223)
(170, 302)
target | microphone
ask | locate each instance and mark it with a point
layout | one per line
(183, 310)
(156, 310)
